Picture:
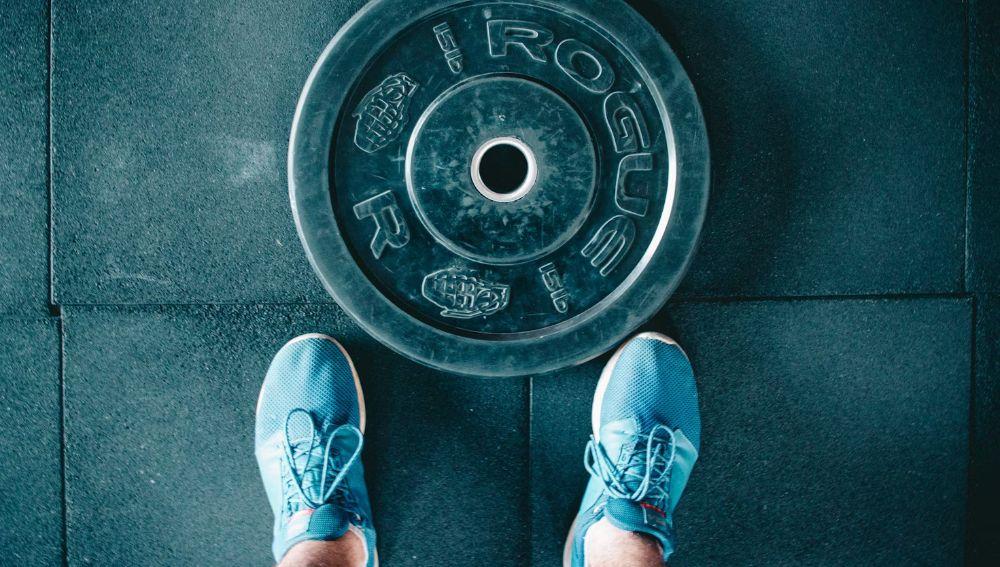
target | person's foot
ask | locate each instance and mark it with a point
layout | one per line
(310, 425)
(646, 437)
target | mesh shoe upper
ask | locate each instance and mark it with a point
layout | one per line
(653, 383)
(313, 374)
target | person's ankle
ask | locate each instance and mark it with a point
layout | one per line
(608, 546)
(349, 550)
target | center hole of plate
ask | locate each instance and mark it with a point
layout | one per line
(504, 169)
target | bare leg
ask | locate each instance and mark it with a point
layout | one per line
(608, 546)
(348, 551)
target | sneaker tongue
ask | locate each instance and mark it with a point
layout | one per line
(327, 522)
(322, 524)
(642, 518)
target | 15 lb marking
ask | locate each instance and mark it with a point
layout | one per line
(554, 284)
(449, 46)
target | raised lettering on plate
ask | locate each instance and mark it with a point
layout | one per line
(446, 41)
(585, 65)
(610, 244)
(628, 200)
(554, 284)
(390, 226)
(529, 36)
(628, 127)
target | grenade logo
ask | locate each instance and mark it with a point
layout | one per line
(383, 113)
(461, 296)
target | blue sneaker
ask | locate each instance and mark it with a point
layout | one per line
(646, 436)
(310, 426)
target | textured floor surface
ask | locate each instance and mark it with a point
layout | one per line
(842, 316)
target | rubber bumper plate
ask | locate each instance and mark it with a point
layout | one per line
(499, 188)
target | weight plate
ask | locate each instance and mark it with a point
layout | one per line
(499, 188)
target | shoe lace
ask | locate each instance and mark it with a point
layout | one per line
(310, 447)
(646, 471)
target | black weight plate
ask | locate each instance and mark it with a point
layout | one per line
(499, 188)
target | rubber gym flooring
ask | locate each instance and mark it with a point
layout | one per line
(843, 313)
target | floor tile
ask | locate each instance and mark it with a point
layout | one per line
(837, 138)
(560, 412)
(171, 123)
(834, 432)
(984, 494)
(31, 474)
(159, 409)
(984, 137)
(24, 260)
